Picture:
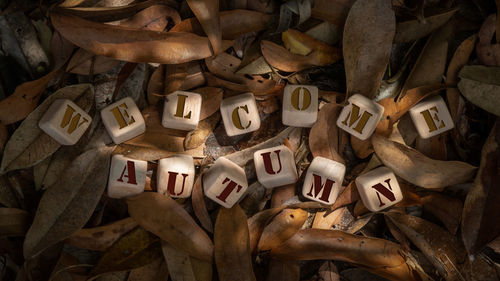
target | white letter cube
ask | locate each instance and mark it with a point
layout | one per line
(431, 117)
(127, 177)
(275, 166)
(225, 182)
(65, 122)
(300, 105)
(123, 120)
(360, 116)
(176, 176)
(379, 189)
(323, 180)
(182, 111)
(240, 114)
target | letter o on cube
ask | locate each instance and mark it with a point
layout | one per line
(225, 182)
(127, 177)
(176, 176)
(379, 189)
(300, 105)
(323, 180)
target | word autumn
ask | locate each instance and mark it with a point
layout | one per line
(226, 182)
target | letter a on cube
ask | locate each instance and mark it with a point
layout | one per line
(275, 166)
(379, 189)
(300, 105)
(360, 116)
(127, 177)
(176, 176)
(431, 117)
(323, 180)
(225, 182)
(240, 114)
(182, 111)
(65, 122)
(123, 120)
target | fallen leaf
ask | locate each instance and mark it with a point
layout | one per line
(66, 206)
(232, 245)
(102, 237)
(13, 222)
(199, 135)
(378, 256)
(329, 272)
(24, 99)
(282, 59)
(199, 206)
(207, 13)
(447, 209)
(175, 75)
(233, 23)
(480, 207)
(417, 168)
(133, 45)
(29, 145)
(303, 44)
(332, 11)
(325, 220)
(488, 53)
(480, 84)
(411, 30)
(282, 226)
(175, 225)
(155, 271)
(283, 271)
(154, 18)
(324, 135)
(347, 196)
(84, 62)
(258, 222)
(185, 268)
(136, 249)
(211, 99)
(368, 34)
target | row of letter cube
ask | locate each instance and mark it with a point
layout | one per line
(226, 183)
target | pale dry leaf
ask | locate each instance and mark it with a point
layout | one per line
(207, 13)
(29, 145)
(282, 226)
(66, 207)
(368, 34)
(480, 85)
(417, 168)
(408, 31)
(178, 262)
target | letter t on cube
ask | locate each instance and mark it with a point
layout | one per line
(379, 189)
(360, 116)
(127, 177)
(182, 111)
(323, 180)
(225, 182)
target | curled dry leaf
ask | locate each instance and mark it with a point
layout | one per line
(132, 45)
(233, 23)
(232, 245)
(24, 99)
(153, 18)
(175, 74)
(324, 135)
(180, 266)
(488, 53)
(447, 209)
(368, 34)
(175, 225)
(66, 206)
(199, 207)
(481, 204)
(457, 62)
(282, 226)
(136, 249)
(480, 85)
(303, 44)
(349, 195)
(13, 222)
(408, 31)
(211, 99)
(258, 222)
(84, 62)
(102, 237)
(282, 59)
(29, 145)
(332, 11)
(198, 136)
(417, 168)
(378, 256)
(207, 13)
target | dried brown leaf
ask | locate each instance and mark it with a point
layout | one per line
(447, 209)
(324, 135)
(102, 237)
(155, 271)
(488, 53)
(85, 63)
(207, 13)
(417, 168)
(303, 44)
(232, 252)
(480, 85)
(481, 207)
(368, 34)
(283, 271)
(258, 222)
(13, 222)
(174, 225)
(199, 206)
(153, 18)
(66, 206)
(281, 228)
(133, 45)
(332, 11)
(282, 59)
(199, 135)
(408, 31)
(29, 145)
